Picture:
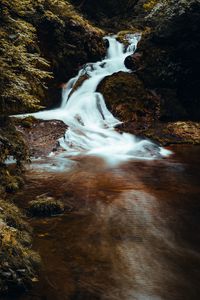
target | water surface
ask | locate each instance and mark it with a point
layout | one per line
(130, 232)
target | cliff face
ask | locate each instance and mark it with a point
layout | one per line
(169, 59)
(105, 8)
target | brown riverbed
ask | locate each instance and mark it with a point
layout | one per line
(130, 232)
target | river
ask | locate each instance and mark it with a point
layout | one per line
(131, 230)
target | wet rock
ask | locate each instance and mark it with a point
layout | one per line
(166, 133)
(128, 99)
(124, 35)
(41, 136)
(45, 206)
(129, 63)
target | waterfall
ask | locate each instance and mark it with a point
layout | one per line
(91, 125)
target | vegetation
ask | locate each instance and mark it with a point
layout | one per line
(45, 42)
(18, 263)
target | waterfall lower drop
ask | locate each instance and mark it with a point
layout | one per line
(91, 126)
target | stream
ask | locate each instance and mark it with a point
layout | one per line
(91, 128)
(131, 230)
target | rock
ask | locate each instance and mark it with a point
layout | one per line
(128, 99)
(171, 64)
(166, 133)
(67, 41)
(106, 43)
(19, 264)
(41, 136)
(129, 63)
(108, 8)
(45, 206)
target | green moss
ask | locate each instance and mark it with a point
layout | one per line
(12, 216)
(12, 146)
(23, 72)
(45, 206)
(26, 122)
(127, 97)
(18, 263)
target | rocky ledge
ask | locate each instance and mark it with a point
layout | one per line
(41, 136)
(166, 133)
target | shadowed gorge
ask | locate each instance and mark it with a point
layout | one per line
(99, 150)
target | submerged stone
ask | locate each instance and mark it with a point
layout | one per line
(45, 206)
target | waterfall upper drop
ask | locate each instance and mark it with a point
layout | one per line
(91, 126)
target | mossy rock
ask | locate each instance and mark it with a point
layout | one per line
(45, 207)
(12, 216)
(26, 122)
(18, 262)
(168, 62)
(127, 98)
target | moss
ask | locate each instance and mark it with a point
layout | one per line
(150, 4)
(45, 206)
(12, 216)
(12, 147)
(26, 122)
(18, 263)
(23, 72)
(127, 97)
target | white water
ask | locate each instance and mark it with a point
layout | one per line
(91, 125)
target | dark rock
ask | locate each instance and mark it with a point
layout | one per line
(130, 63)
(128, 99)
(166, 133)
(106, 43)
(170, 58)
(107, 8)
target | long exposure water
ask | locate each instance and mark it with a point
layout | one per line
(129, 232)
(91, 125)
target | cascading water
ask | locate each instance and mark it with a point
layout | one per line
(91, 126)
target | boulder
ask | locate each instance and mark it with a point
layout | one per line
(41, 136)
(44, 206)
(128, 99)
